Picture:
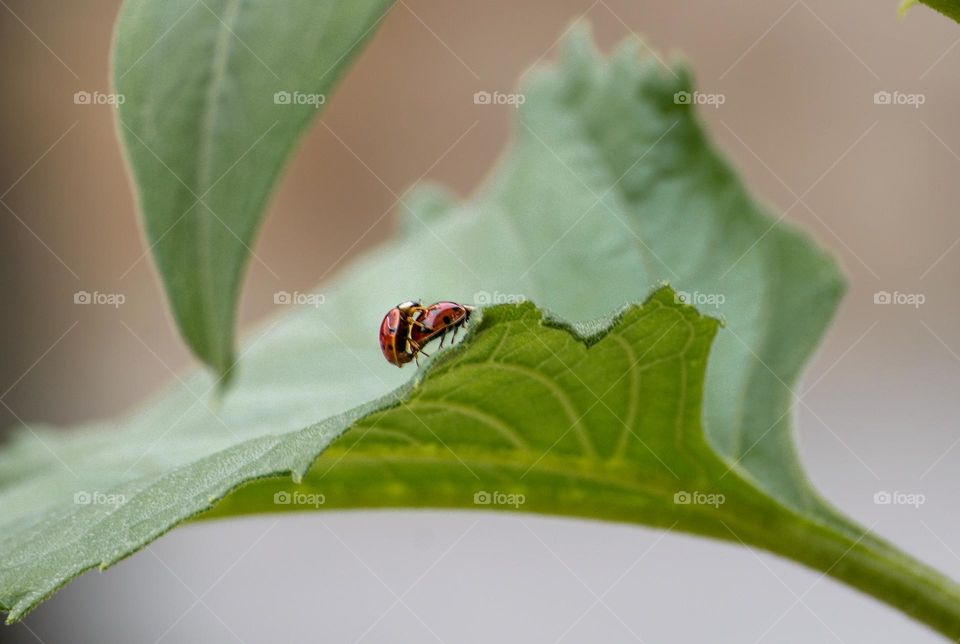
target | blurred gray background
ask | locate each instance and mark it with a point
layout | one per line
(877, 184)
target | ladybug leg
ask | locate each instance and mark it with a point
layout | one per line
(410, 342)
(418, 349)
(408, 348)
(413, 316)
(416, 311)
(414, 321)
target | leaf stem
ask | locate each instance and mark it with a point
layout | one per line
(873, 566)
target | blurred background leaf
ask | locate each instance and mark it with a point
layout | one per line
(216, 94)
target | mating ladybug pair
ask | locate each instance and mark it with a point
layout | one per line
(408, 327)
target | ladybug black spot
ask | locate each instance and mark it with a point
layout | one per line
(447, 319)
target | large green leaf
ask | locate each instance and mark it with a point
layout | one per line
(216, 93)
(610, 187)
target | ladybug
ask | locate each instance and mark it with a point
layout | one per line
(395, 332)
(439, 318)
(407, 327)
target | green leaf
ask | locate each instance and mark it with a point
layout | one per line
(216, 94)
(949, 8)
(609, 188)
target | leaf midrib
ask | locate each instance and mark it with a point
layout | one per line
(218, 76)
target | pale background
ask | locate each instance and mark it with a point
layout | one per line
(799, 78)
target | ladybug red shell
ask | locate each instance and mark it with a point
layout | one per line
(437, 319)
(392, 334)
(395, 333)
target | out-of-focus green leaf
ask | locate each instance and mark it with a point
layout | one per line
(215, 95)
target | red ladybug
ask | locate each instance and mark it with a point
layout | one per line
(395, 333)
(407, 327)
(439, 318)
